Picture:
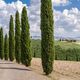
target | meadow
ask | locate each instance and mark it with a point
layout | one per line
(64, 50)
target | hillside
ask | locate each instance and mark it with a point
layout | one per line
(36, 46)
(66, 45)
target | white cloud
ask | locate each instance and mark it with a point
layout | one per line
(60, 31)
(33, 14)
(65, 12)
(8, 9)
(67, 23)
(34, 17)
(69, 20)
(2, 4)
(60, 2)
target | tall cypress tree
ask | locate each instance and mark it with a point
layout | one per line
(17, 38)
(47, 42)
(11, 39)
(25, 39)
(6, 55)
(1, 44)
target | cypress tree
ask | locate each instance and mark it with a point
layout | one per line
(17, 38)
(1, 44)
(25, 39)
(11, 39)
(6, 47)
(47, 42)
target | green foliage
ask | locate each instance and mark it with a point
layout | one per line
(63, 50)
(71, 54)
(17, 38)
(67, 45)
(36, 48)
(11, 40)
(67, 54)
(25, 39)
(6, 51)
(60, 53)
(1, 44)
(47, 45)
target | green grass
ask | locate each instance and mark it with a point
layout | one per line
(67, 45)
(61, 51)
(36, 47)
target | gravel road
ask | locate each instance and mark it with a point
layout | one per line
(14, 71)
(63, 70)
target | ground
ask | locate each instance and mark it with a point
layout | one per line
(63, 70)
(66, 70)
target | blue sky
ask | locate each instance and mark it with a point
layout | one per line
(24, 1)
(66, 16)
(71, 4)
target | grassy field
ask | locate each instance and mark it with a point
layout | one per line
(63, 50)
(62, 44)
(36, 48)
(67, 45)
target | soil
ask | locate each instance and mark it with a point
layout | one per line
(63, 70)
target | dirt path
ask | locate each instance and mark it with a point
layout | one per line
(63, 70)
(13, 71)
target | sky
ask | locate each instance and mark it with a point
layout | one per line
(23, 1)
(68, 4)
(66, 16)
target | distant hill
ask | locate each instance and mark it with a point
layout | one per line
(64, 38)
(58, 37)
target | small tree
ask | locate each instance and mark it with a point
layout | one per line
(1, 44)
(17, 38)
(11, 39)
(25, 39)
(47, 42)
(6, 54)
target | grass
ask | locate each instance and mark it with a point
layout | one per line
(36, 48)
(67, 45)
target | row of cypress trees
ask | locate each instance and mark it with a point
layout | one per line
(20, 44)
(17, 46)
(3, 46)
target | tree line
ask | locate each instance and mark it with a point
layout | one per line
(18, 44)
(67, 54)
(61, 53)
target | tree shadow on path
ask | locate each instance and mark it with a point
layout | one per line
(15, 68)
(6, 63)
